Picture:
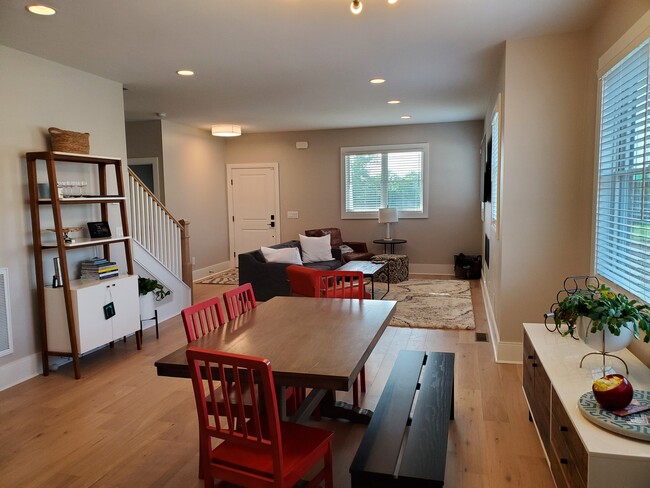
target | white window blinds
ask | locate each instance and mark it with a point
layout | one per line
(384, 177)
(622, 247)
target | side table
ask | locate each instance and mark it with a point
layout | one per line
(389, 243)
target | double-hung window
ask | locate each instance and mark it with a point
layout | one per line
(393, 176)
(622, 236)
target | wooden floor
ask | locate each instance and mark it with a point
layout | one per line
(123, 426)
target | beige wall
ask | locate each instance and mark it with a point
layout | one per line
(550, 98)
(310, 184)
(195, 189)
(144, 140)
(34, 95)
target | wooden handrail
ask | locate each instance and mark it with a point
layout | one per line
(154, 198)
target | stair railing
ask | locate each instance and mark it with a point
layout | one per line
(155, 229)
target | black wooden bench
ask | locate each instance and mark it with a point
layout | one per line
(398, 450)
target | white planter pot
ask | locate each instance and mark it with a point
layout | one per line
(595, 341)
(147, 306)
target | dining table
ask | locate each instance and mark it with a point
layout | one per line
(319, 344)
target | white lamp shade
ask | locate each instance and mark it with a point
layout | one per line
(387, 215)
(226, 130)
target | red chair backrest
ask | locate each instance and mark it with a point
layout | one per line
(302, 281)
(261, 432)
(239, 300)
(341, 284)
(201, 318)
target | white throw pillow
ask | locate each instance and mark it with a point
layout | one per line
(316, 249)
(289, 255)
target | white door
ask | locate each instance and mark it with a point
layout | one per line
(254, 206)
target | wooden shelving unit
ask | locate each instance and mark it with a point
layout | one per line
(62, 248)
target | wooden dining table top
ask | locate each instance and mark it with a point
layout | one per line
(315, 343)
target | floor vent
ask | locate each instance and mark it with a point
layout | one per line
(481, 337)
(6, 342)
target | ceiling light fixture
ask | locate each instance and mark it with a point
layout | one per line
(393, 102)
(185, 72)
(356, 7)
(40, 9)
(405, 117)
(377, 81)
(226, 130)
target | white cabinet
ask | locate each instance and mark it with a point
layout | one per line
(580, 454)
(88, 301)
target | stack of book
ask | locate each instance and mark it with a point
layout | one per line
(98, 269)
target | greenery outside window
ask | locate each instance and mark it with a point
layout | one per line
(622, 215)
(393, 176)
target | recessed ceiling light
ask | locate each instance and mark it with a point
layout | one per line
(377, 81)
(40, 9)
(394, 102)
(405, 117)
(185, 72)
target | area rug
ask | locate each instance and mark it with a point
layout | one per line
(228, 277)
(431, 304)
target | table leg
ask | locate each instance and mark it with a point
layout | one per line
(332, 409)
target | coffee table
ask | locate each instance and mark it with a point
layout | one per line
(290, 332)
(369, 270)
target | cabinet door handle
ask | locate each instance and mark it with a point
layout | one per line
(534, 365)
(531, 357)
(564, 461)
(564, 428)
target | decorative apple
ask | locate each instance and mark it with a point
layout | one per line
(613, 392)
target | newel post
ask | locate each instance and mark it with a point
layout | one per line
(186, 258)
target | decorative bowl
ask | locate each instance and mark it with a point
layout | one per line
(613, 391)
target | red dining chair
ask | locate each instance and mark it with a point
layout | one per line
(344, 284)
(302, 280)
(239, 300)
(263, 452)
(201, 318)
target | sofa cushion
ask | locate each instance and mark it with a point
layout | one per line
(315, 249)
(289, 255)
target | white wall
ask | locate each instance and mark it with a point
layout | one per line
(36, 94)
(310, 182)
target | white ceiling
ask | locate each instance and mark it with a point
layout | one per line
(276, 65)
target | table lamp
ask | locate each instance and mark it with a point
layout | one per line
(387, 216)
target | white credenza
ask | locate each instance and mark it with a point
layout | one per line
(580, 454)
(88, 301)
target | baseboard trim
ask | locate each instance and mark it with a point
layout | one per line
(20, 370)
(504, 352)
(198, 274)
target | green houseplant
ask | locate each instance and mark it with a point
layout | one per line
(152, 285)
(606, 309)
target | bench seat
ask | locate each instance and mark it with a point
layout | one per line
(422, 439)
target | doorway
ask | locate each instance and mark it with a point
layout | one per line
(253, 207)
(147, 169)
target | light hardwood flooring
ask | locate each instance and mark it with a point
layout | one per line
(120, 425)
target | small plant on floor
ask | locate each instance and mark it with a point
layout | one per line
(147, 285)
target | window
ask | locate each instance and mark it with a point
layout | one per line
(622, 237)
(384, 176)
(495, 165)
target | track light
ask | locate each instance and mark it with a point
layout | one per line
(356, 7)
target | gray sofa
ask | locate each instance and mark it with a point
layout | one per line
(270, 279)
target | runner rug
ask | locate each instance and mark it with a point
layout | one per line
(228, 277)
(431, 304)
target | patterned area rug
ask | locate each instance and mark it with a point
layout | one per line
(228, 277)
(431, 304)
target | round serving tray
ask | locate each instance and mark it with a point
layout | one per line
(593, 412)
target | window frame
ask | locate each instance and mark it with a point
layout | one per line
(633, 39)
(496, 167)
(403, 214)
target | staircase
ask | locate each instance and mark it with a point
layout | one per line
(160, 248)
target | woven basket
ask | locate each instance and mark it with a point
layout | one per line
(69, 142)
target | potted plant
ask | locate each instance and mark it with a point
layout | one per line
(610, 313)
(151, 290)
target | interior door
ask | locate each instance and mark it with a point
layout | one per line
(254, 206)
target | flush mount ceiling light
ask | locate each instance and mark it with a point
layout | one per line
(356, 6)
(377, 81)
(226, 130)
(405, 117)
(185, 72)
(40, 9)
(393, 102)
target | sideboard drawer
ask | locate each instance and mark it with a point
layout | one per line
(571, 454)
